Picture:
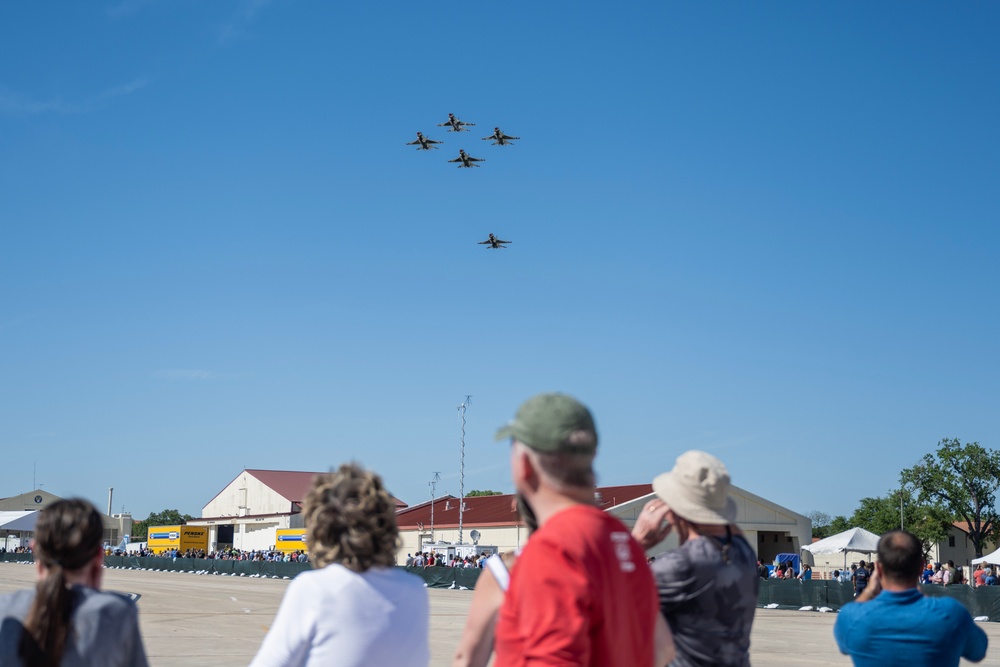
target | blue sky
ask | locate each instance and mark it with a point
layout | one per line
(764, 230)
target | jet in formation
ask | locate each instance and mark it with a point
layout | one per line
(499, 138)
(494, 243)
(423, 143)
(466, 160)
(455, 125)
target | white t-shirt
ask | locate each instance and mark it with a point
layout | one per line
(333, 616)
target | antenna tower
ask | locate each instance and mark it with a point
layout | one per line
(432, 484)
(461, 480)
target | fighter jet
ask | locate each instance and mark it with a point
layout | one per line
(494, 243)
(455, 125)
(423, 143)
(466, 160)
(499, 138)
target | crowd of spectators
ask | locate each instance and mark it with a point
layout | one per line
(435, 559)
(16, 550)
(272, 556)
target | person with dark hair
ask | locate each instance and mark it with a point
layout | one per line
(355, 608)
(860, 576)
(892, 623)
(581, 593)
(66, 620)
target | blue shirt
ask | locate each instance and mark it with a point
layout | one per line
(909, 630)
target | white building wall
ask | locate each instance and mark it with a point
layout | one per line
(246, 495)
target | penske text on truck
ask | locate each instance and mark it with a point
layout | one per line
(182, 538)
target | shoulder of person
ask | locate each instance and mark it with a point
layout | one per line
(16, 604)
(676, 564)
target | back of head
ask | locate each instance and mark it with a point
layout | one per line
(560, 433)
(901, 556)
(351, 519)
(67, 538)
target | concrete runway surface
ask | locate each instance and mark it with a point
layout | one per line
(219, 621)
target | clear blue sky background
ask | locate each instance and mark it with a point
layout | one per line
(766, 230)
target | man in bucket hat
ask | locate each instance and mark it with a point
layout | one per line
(707, 585)
(581, 593)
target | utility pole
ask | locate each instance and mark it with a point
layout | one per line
(461, 480)
(432, 484)
(901, 510)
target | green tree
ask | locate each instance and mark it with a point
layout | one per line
(929, 522)
(963, 479)
(839, 524)
(165, 518)
(820, 523)
(825, 526)
(477, 493)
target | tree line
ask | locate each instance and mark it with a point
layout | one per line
(140, 529)
(955, 483)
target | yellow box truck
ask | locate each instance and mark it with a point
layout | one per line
(182, 538)
(288, 540)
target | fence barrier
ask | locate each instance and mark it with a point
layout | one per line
(794, 594)
(787, 594)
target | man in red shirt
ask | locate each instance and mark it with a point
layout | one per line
(581, 592)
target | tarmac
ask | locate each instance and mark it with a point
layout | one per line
(216, 621)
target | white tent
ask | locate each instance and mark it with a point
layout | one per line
(992, 559)
(23, 521)
(857, 540)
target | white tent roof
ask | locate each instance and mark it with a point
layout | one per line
(855, 539)
(992, 559)
(24, 521)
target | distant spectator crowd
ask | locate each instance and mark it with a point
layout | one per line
(271, 556)
(433, 559)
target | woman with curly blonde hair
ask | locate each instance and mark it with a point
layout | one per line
(354, 608)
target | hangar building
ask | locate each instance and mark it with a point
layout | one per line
(17, 530)
(768, 527)
(249, 511)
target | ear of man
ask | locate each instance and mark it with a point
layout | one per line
(525, 469)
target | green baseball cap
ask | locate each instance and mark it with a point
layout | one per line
(553, 423)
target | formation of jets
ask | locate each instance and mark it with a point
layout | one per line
(464, 160)
(498, 138)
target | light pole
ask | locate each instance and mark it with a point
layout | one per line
(432, 484)
(461, 480)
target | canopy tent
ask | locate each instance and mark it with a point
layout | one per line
(992, 559)
(857, 540)
(22, 521)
